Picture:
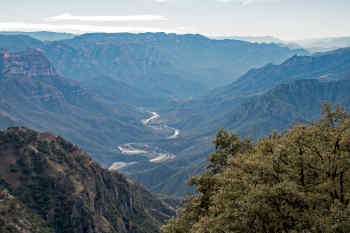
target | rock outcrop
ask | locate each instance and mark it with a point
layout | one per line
(29, 63)
(66, 191)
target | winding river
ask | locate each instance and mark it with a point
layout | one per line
(153, 153)
(148, 120)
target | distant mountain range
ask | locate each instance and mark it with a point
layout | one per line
(163, 64)
(312, 45)
(334, 65)
(42, 35)
(49, 185)
(254, 39)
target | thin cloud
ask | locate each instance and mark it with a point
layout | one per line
(79, 28)
(124, 18)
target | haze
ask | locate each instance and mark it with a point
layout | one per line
(287, 20)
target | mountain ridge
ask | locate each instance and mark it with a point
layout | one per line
(70, 192)
(332, 65)
(168, 65)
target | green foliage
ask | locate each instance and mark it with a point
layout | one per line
(16, 218)
(295, 182)
(226, 145)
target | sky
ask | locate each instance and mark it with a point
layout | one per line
(285, 19)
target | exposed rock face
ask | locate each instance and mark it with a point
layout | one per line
(68, 191)
(29, 63)
(28, 76)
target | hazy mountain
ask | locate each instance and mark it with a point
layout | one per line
(334, 65)
(254, 39)
(285, 105)
(34, 95)
(261, 39)
(42, 35)
(173, 61)
(163, 64)
(49, 185)
(19, 43)
(312, 45)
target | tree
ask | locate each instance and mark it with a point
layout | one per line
(295, 182)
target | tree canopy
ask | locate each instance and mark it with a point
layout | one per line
(295, 182)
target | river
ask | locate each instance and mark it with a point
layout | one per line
(152, 152)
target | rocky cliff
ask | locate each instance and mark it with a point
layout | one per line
(62, 190)
(29, 63)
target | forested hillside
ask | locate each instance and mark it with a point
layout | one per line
(297, 181)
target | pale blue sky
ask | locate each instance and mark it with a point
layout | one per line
(286, 19)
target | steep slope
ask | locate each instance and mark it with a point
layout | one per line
(34, 95)
(286, 105)
(68, 192)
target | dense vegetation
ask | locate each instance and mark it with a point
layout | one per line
(295, 182)
(16, 218)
